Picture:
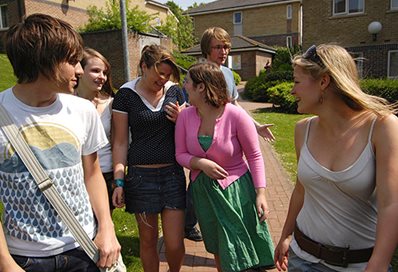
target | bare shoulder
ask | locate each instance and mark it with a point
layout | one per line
(299, 133)
(301, 126)
(386, 129)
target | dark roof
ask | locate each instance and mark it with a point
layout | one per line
(239, 43)
(221, 5)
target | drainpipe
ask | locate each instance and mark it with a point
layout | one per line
(21, 10)
(126, 59)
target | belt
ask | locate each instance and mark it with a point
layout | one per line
(333, 255)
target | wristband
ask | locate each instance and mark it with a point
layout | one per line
(119, 182)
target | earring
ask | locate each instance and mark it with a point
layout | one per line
(320, 100)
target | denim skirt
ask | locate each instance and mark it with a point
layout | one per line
(150, 190)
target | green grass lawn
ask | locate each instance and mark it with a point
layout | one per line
(7, 78)
(283, 131)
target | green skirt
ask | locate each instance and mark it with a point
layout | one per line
(229, 223)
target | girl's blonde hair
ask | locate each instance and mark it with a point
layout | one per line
(335, 61)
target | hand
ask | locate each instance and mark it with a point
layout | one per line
(212, 169)
(118, 197)
(108, 246)
(282, 254)
(261, 204)
(172, 110)
(265, 132)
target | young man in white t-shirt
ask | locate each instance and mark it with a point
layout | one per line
(64, 132)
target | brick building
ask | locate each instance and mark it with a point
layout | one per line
(271, 22)
(109, 43)
(346, 23)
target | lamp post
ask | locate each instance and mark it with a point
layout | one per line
(125, 41)
(374, 28)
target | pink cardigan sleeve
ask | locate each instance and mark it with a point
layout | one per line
(248, 138)
(182, 155)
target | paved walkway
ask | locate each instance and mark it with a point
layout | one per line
(279, 189)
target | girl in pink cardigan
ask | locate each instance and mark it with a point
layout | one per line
(229, 199)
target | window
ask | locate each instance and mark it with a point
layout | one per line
(234, 62)
(347, 6)
(289, 43)
(359, 60)
(394, 4)
(289, 11)
(237, 18)
(3, 17)
(392, 64)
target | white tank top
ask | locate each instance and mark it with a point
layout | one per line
(339, 206)
(105, 153)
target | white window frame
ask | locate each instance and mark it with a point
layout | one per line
(241, 18)
(289, 41)
(235, 62)
(2, 16)
(394, 4)
(359, 59)
(389, 63)
(289, 12)
(346, 9)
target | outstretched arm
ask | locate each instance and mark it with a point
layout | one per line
(262, 130)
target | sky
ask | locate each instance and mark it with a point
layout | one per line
(184, 4)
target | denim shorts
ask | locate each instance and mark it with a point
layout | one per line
(75, 260)
(150, 190)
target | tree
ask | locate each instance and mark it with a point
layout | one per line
(182, 34)
(109, 18)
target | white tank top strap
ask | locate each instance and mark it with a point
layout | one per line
(371, 129)
(307, 130)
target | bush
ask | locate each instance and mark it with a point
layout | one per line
(256, 89)
(237, 78)
(385, 88)
(280, 95)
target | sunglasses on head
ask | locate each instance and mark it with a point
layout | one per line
(311, 55)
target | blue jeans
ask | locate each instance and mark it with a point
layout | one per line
(296, 264)
(75, 260)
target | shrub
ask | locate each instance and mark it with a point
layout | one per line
(385, 88)
(256, 88)
(280, 95)
(237, 78)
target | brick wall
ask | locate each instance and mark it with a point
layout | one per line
(75, 16)
(375, 59)
(109, 44)
(277, 40)
(13, 18)
(351, 31)
(268, 21)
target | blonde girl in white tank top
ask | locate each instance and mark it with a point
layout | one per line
(334, 203)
